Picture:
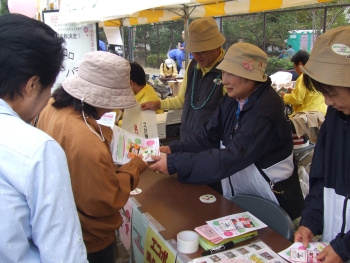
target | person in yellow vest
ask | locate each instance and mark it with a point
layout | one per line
(143, 91)
(168, 69)
(301, 98)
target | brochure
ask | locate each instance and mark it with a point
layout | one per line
(126, 146)
(298, 253)
(108, 119)
(255, 252)
(235, 225)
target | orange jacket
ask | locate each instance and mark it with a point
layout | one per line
(99, 191)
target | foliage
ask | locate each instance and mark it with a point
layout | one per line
(4, 8)
(275, 64)
(152, 60)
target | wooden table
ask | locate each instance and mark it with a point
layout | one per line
(177, 207)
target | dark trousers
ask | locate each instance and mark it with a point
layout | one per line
(106, 255)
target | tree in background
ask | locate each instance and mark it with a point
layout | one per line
(4, 9)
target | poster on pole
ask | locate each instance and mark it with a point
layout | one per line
(80, 39)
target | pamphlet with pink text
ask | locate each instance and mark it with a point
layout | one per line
(126, 146)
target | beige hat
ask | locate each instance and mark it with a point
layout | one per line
(245, 60)
(204, 35)
(329, 61)
(103, 79)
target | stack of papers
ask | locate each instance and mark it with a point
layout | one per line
(236, 228)
(255, 252)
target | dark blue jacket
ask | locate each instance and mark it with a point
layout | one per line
(330, 184)
(263, 137)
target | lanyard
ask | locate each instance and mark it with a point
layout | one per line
(238, 114)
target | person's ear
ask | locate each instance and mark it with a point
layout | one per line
(32, 84)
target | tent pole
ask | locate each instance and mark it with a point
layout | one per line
(121, 28)
(185, 19)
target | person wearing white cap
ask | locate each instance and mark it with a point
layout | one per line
(327, 211)
(101, 85)
(168, 69)
(247, 143)
(39, 221)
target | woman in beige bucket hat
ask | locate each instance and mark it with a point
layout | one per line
(101, 85)
(327, 207)
(247, 132)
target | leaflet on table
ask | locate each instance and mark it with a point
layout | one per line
(126, 146)
(255, 252)
(235, 225)
(298, 253)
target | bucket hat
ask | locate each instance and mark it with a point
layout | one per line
(245, 60)
(103, 80)
(168, 62)
(329, 61)
(204, 35)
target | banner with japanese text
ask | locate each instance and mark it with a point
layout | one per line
(138, 234)
(79, 41)
(125, 228)
(156, 248)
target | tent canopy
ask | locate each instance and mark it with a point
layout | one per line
(135, 12)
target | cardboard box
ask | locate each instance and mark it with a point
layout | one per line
(175, 86)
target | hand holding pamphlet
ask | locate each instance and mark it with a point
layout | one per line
(126, 146)
(298, 253)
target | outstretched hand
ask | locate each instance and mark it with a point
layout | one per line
(328, 255)
(303, 235)
(150, 105)
(161, 164)
(165, 149)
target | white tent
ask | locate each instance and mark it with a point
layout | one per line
(136, 12)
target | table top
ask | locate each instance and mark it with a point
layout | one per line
(176, 207)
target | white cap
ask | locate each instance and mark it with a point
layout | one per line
(168, 63)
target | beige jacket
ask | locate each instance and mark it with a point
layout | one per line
(99, 191)
(308, 123)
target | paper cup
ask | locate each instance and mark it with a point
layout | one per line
(187, 242)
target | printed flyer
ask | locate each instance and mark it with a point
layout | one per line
(126, 146)
(298, 253)
(235, 225)
(255, 252)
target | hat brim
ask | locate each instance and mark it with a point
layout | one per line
(201, 46)
(326, 73)
(239, 71)
(111, 99)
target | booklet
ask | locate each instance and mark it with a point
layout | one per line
(255, 252)
(126, 146)
(108, 119)
(235, 225)
(298, 253)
